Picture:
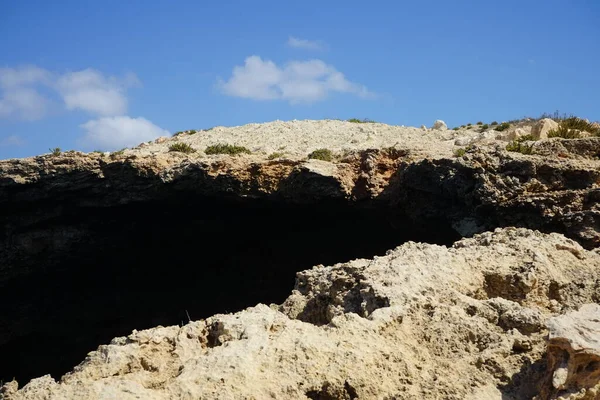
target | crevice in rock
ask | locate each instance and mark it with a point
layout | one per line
(75, 275)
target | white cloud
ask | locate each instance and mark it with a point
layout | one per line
(111, 133)
(21, 95)
(23, 103)
(26, 75)
(89, 90)
(296, 82)
(306, 44)
(11, 141)
(18, 98)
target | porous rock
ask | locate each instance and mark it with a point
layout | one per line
(573, 355)
(423, 321)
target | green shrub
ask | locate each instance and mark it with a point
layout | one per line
(519, 146)
(275, 155)
(360, 121)
(502, 127)
(494, 123)
(321, 154)
(55, 151)
(469, 124)
(463, 126)
(455, 129)
(459, 152)
(182, 148)
(226, 149)
(571, 127)
(479, 123)
(484, 127)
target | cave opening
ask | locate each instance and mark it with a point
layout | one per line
(154, 263)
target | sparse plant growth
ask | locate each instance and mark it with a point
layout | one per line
(484, 127)
(519, 145)
(456, 128)
(571, 128)
(556, 116)
(55, 151)
(321, 154)
(182, 148)
(493, 123)
(502, 127)
(361, 121)
(188, 132)
(480, 123)
(469, 124)
(226, 149)
(275, 155)
(459, 152)
(463, 126)
(116, 154)
(98, 152)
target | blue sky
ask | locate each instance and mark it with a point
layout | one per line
(107, 74)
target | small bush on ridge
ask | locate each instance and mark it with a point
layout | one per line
(182, 148)
(226, 149)
(321, 154)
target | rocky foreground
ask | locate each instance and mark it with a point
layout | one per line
(510, 313)
(424, 321)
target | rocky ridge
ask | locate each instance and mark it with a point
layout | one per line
(383, 328)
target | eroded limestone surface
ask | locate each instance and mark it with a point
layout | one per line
(423, 321)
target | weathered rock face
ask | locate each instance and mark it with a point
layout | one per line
(542, 127)
(423, 321)
(574, 355)
(102, 245)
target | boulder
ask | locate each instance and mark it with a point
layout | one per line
(512, 134)
(423, 127)
(573, 355)
(542, 127)
(462, 141)
(439, 125)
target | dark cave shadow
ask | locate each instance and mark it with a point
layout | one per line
(150, 264)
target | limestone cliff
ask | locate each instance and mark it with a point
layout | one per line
(97, 244)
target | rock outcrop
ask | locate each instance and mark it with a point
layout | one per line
(439, 125)
(130, 238)
(574, 355)
(423, 321)
(542, 127)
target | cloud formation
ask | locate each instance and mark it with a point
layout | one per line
(296, 82)
(306, 44)
(28, 91)
(90, 91)
(23, 103)
(12, 140)
(112, 133)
